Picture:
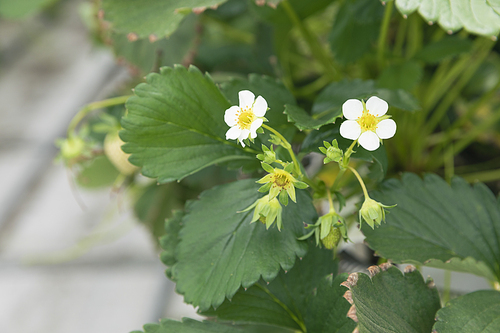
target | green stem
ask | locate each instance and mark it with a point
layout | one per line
(452, 94)
(289, 148)
(330, 202)
(345, 162)
(400, 38)
(483, 176)
(316, 49)
(468, 138)
(283, 305)
(360, 180)
(447, 286)
(94, 106)
(382, 37)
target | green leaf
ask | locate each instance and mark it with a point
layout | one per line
(99, 172)
(175, 125)
(284, 301)
(435, 223)
(444, 48)
(329, 101)
(326, 311)
(477, 312)
(478, 17)
(146, 55)
(170, 240)
(188, 325)
(304, 121)
(150, 18)
(355, 29)
(393, 302)
(315, 139)
(21, 8)
(220, 250)
(404, 76)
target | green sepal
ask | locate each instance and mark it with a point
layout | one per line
(283, 198)
(264, 188)
(289, 167)
(300, 185)
(267, 167)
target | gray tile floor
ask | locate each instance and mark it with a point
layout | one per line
(64, 269)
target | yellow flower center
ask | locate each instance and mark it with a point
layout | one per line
(245, 118)
(281, 179)
(368, 122)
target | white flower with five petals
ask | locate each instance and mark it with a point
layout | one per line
(367, 122)
(245, 119)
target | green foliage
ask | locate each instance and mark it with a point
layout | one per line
(217, 253)
(21, 8)
(98, 172)
(471, 313)
(434, 223)
(147, 18)
(174, 126)
(393, 302)
(355, 29)
(478, 17)
(304, 121)
(285, 301)
(326, 311)
(404, 76)
(444, 48)
(146, 54)
(189, 326)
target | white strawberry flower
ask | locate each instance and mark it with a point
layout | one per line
(367, 122)
(245, 119)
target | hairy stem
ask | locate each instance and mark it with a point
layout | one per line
(316, 49)
(360, 180)
(94, 106)
(382, 37)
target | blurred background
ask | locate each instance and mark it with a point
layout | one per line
(71, 259)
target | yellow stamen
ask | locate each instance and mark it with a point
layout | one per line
(245, 118)
(281, 179)
(368, 122)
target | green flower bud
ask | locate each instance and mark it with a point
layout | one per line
(71, 147)
(267, 211)
(332, 151)
(373, 212)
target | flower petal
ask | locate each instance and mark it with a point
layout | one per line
(376, 106)
(254, 127)
(352, 109)
(350, 129)
(233, 133)
(260, 107)
(386, 129)
(230, 115)
(246, 99)
(244, 135)
(369, 140)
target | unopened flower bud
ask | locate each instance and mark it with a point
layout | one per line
(373, 212)
(332, 152)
